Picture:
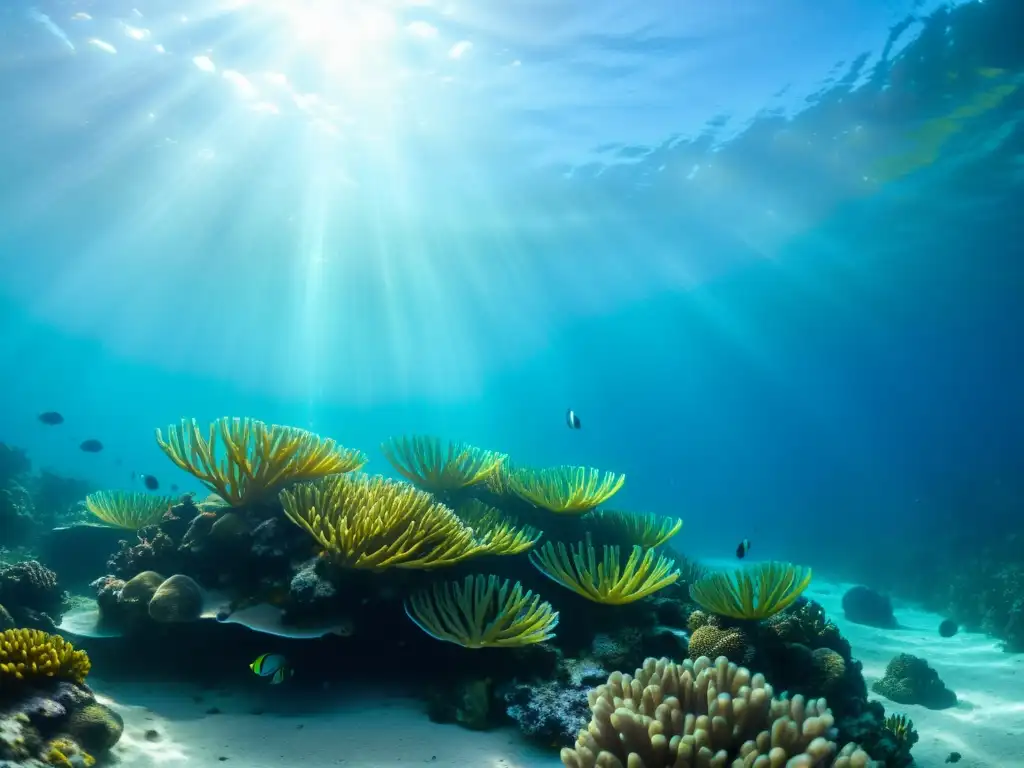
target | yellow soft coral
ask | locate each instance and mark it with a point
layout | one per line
(605, 581)
(258, 459)
(565, 490)
(498, 532)
(60, 750)
(429, 464)
(128, 510)
(643, 530)
(482, 612)
(30, 653)
(751, 593)
(374, 523)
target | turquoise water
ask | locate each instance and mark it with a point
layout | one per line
(768, 252)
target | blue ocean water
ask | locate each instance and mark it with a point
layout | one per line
(768, 252)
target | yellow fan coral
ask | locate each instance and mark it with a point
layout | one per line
(607, 581)
(433, 466)
(644, 530)
(751, 593)
(258, 460)
(128, 510)
(29, 653)
(500, 534)
(374, 523)
(482, 612)
(565, 490)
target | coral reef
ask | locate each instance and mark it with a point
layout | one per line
(703, 713)
(864, 605)
(565, 490)
(434, 466)
(909, 680)
(47, 715)
(30, 592)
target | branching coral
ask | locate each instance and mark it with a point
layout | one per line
(565, 490)
(498, 532)
(31, 653)
(704, 714)
(644, 530)
(482, 612)
(751, 593)
(258, 459)
(128, 510)
(374, 523)
(605, 581)
(433, 466)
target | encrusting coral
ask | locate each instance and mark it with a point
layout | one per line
(370, 522)
(481, 612)
(704, 713)
(130, 511)
(434, 466)
(909, 679)
(606, 581)
(27, 654)
(751, 593)
(565, 490)
(258, 459)
(643, 530)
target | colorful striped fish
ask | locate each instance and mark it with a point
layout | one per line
(272, 665)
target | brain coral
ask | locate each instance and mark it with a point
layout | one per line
(179, 598)
(712, 641)
(30, 653)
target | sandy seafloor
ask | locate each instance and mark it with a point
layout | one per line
(268, 728)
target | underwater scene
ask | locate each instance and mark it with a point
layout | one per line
(511, 385)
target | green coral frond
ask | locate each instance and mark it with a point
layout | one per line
(757, 592)
(605, 580)
(565, 490)
(643, 530)
(434, 466)
(482, 612)
(244, 460)
(499, 533)
(131, 511)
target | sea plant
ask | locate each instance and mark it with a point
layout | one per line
(565, 490)
(123, 509)
(757, 592)
(605, 579)
(244, 460)
(438, 467)
(482, 612)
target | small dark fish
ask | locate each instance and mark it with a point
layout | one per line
(51, 418)
(174, 487)
(954, 757)
(743, 548)
(948, 628)
(91, 446)
(150, 482)
(133, 475)
(572, 420)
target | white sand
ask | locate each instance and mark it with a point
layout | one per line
(351, 729)
(987, 726)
